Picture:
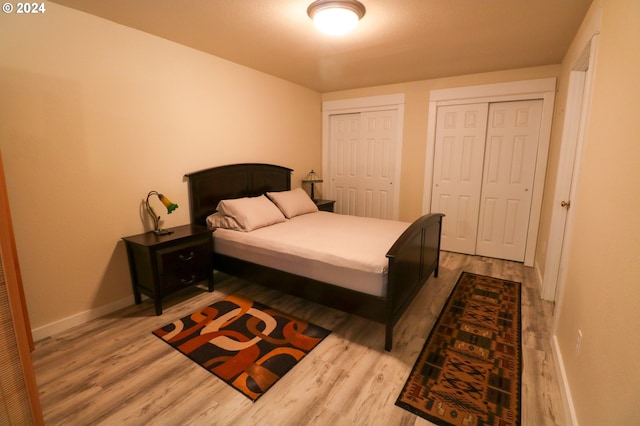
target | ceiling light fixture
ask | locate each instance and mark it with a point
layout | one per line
(336, 17)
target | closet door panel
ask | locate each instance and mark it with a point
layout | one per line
(507, 183)
(345, 136)
(363, 156)
(378, 159)
(19, 397)
(457, 173)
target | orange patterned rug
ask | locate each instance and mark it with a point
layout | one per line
(470, 369)
(248, 345)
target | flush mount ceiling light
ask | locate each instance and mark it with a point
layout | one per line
(336, 17)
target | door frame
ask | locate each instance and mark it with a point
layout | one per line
(574, 128)
(359, 105)
(573, 134)
(544, 89)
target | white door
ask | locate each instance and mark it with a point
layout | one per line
(575, 124)
(513, 130)
(457, 173)
(362, 151)
(483, 173)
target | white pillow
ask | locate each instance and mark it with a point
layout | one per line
(293, 203)
(219, 220)
(251, 212)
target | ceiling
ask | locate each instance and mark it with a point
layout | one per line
(396, 41)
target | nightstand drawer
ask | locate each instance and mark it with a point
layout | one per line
(185, 264)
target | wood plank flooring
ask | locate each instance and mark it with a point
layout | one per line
(112, 370)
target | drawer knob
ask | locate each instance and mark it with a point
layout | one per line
(185, 282)
(186, 258)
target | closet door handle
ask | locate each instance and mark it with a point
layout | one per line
(565, 204)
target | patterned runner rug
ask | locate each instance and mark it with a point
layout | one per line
(248, 345)
(470, 368)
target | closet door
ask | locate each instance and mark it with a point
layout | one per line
(457, 173)
(18, 388)
(363, 157)
(344, 147)
(507, 185)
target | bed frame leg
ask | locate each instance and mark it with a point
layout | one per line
(388, 338)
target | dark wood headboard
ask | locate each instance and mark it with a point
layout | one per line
(208, 187)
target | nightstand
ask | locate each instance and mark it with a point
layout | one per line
(163, 264)
(325, 205)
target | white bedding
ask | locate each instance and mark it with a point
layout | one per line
(347, 251)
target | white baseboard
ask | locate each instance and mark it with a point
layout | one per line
(569, 410)
(82, 317)
(79, 318)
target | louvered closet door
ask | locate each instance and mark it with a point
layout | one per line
(457, 173)
(18, 388)
(509, 169)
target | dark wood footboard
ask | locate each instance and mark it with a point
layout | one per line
(412, 260)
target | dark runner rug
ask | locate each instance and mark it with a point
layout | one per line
(248, 345)
(470, 369)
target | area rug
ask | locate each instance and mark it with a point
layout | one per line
(470, 369)
(248, 345)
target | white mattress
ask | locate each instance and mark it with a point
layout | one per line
(347, 251)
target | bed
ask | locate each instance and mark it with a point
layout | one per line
(409, 260)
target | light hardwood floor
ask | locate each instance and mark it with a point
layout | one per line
(113, 371)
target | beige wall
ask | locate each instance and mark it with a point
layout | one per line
(602, 294)
(416, 119)
(95, 115)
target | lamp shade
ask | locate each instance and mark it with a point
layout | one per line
(312, 177)
(168, 204)
(336, 17)
(156, 218)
